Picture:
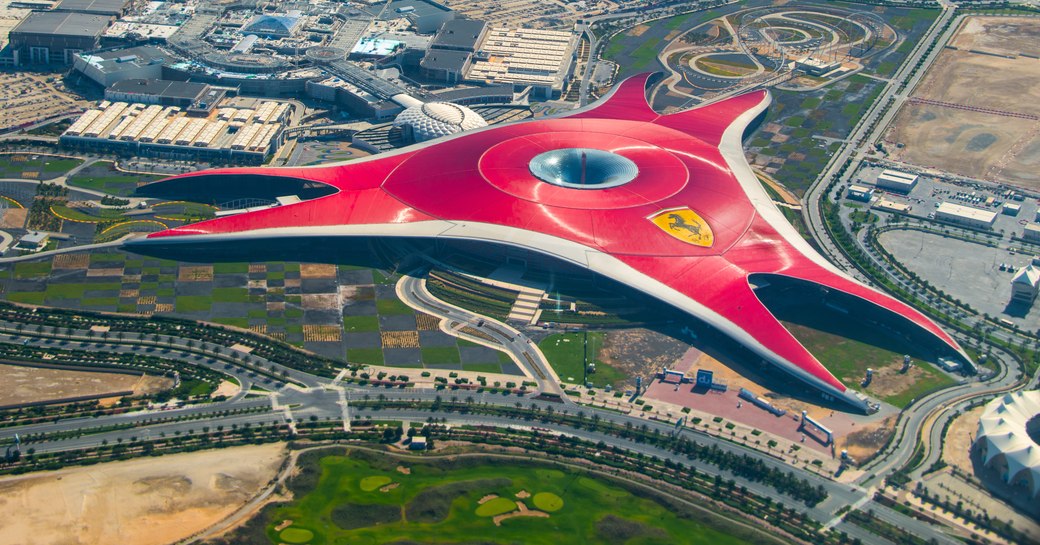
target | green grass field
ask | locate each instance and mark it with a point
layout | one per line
(567, 357)
(32, 269)
(440, 354)
(848, 355)
(357, 324)
(103, 176)
(440, 504)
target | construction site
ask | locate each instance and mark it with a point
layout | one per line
(977, 111)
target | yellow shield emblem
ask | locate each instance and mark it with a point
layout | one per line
(685, 225)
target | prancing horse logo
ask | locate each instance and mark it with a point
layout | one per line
(685, 225)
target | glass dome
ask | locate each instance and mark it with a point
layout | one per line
(583, 168)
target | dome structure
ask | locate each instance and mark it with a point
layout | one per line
(1004, 441)
(279, 25)
(436, 119)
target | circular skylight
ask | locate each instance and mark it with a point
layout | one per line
(583, 168)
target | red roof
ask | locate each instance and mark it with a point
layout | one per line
(482, 178)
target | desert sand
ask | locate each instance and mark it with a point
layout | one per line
(148, 501)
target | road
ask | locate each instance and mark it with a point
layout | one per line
(867, 132)
(926, 418)
(523, 351)
(326, 399)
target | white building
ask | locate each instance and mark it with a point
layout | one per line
(1004, 444)
(860, 193)
(893, 180)
(1025, 284)
(1031, 232)
(965, 215)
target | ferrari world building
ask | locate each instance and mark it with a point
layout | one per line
(665, 204)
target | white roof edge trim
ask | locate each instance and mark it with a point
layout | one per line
(573, 252)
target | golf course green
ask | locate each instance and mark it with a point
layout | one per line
(479, 500)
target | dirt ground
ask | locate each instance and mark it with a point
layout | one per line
(13, 218)
(148, 501)
(1005, 35)
(957, 444)
(976, 144)
(888, 381)
(28, 384)
(640, 352)
(867, 439)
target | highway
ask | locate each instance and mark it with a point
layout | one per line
(868, 131)
(919, 420)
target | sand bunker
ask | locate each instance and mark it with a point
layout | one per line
(522, 511)
(486, 499)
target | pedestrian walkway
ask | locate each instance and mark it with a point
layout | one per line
(525, 308)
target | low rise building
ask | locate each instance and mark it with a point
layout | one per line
(196, 98)
(965, 215)
(1025, 284)
(1011, 209)
(542, 60)
(1031, 233)
(108, 67)
(229, 134)
(108, 8)
(34, 241)
(816, 67)
(892, 206)
(894, 180)
(860, 193)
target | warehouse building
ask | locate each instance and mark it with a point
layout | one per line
(965, 215)
(107, 8)
(460, 35)
(1011, 209)
(195, 98)
(231, 135)
(540, 59)
(52, 37)
(445, 66)
(893, 180)
(108, 67)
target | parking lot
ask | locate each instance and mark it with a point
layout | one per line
(974, 268)
(931, 192)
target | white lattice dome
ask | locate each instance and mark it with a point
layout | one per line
(437, 119)
(1003, 439)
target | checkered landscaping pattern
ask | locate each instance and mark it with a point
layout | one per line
(344, 312)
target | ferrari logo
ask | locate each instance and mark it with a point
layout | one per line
(685, 225)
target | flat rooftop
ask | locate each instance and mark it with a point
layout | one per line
(102, 7)
(459, 33)
(159, 87)
(62, 24)
(418, 8)
(114, 61)
(967, 212)
(444, 59)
